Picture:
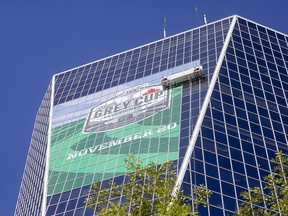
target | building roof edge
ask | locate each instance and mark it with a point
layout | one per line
(143, 45)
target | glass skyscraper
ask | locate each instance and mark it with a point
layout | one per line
(221, 129)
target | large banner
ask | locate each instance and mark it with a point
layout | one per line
(92, 135)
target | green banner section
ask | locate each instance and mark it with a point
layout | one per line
(79, 158)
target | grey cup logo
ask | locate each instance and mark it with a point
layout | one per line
(128, 106)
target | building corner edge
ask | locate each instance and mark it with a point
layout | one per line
(203, 110)
(46, 175)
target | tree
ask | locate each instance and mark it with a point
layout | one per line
(273, 200)
(147, 191)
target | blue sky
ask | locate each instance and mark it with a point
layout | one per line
(41, 38)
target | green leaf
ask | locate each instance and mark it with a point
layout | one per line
(147, 191)
(274, 199)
